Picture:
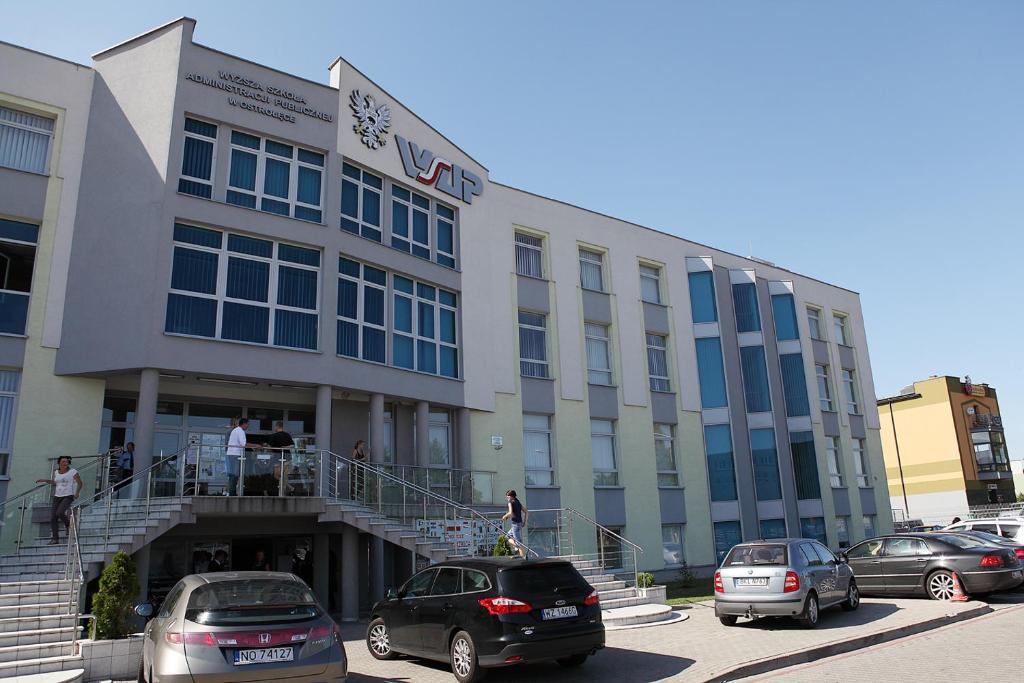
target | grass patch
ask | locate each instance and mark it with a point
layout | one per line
(698, 590)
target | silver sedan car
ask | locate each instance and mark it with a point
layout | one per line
(788, 577)
(240, 626)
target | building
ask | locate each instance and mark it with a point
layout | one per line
(944, 449)
(223, 239)
(1017, 468)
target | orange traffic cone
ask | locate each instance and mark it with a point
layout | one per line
(958, 594)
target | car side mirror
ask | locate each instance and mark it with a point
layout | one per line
(391, 594)
(144, 610)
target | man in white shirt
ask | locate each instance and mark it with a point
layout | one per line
(238, 441)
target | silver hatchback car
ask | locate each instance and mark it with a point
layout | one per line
(240, 626)
(788, 577)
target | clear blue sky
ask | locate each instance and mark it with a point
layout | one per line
(875, 145)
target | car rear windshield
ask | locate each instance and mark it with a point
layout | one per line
(748, 555)
(227, 603)
(540, 580)
(962, 541)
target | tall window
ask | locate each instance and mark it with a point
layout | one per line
(727, 534)
(805, 465)
(602, 451)
(721, 469)
(773, 528)
(275, 177)
(657, 363)
(814, 527)
(440, 432)
(425, 336)
(860, 462)
(533, 355)
(843, 530)
(9, 382)
(850, 391)
(711, 373)
(537, 460)
(841, 329)
(744, 295)
(362, 328)
(591, 270)
(832, 452)
(824, 387)
(814, 322)
(361, 193)
(268, 293)
(766, 464)
(784, 313)
(197, 158)
(869, 526)
(702, 297)
(650, 284)
(672, 544)
(755, 379)
(794, 384)
(599, 369)
(17, 261)
(25, 140)
(529, 255)
(664, 455)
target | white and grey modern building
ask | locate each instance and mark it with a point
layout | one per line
(188, 237)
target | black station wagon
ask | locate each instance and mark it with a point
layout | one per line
(490, 612)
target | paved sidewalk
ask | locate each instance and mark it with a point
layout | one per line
(698, 649)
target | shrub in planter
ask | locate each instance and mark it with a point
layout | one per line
(502, 547)
(644, 580)
(113, 604)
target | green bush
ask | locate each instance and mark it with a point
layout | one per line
(113, 604)
(686, 576)
(502, 548)
(644, 580)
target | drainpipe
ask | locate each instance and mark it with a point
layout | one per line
(899, 462)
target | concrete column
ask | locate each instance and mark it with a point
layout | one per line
(321, 567)
(422, 433)
(464, 451)
(323, 417)
(377, 568)
(145, 420)
(350, 574)
(376, 427)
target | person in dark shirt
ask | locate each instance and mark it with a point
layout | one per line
(219, 563)
(282, 443)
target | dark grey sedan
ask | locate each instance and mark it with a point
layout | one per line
(926, 563)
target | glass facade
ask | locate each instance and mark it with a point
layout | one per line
(702, 297)
(773, 528)
(805, 465)
(721, 469)
(784, 314)
(727, 534)
(814, 527)
(794, 385)
(766, 464)
(755, 379)
(748, 318)
(711, 373)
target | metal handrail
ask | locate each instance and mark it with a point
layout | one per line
(605, 529)
(439, 500)
(93, 459)
(74, 570)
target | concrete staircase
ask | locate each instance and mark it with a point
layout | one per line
(623, 605)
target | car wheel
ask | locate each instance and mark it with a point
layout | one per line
(378, 640)
(940, 585)
(809, 619)
(728, 619)
(852, 601)
(463, 657)
(573, 660)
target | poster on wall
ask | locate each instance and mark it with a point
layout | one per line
(468, 536)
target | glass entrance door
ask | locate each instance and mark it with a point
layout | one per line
(205, 472)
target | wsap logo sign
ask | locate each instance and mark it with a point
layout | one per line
(428, 169)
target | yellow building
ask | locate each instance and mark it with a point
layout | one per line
(944, 449)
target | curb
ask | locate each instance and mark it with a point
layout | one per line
(674, 619)
(841, 647)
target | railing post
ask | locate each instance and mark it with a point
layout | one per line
(241, 474)
(199, 467)
(149, 489)
(106, 532)
(21, 523)
(380, 498)
(281, 476)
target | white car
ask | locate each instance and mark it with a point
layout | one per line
(1007, 527)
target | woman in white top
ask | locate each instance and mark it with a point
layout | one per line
(66, 486)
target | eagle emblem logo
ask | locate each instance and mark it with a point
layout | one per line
(372, 121)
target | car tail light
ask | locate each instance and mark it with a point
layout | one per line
(719, 588)
(991, 561)
(792, 583)
(1019, 552)
(276, 638)
(205, 639)
(592, 599)
(503, 605)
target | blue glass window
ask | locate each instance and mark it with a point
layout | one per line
(814, 527)
(403, 313)
(18, 231)
(241, 199)
(250, 246)
(721, 470)
(296, 287)
(191, 315)
(245, 140)
(348, 267)
(727, 534)
(744, 296)
(702, 297)
(198, 236)
(805, 465)
(766, 464)
(784, 313)
(348, 293)
(447, 324)
(426, 319)
(446, 298)
(425, 291)
(274, 206)
(773, 528)
(201, 128)
(194, 271)
(245, 323)
(373, 305)
(276, 178)
(279, 149)
(197, 161)
(375, 275)
(402, 284)
(449, 361)
(248, 279)
(13, 312)
(308, 157)
(295, 329)
(348, 339)
(402, 351)
(711, 372)
(309, 186)
(243, 170)
(755, 379)
(426, 356)
(794, 384)
(373, 344)
(300, 255)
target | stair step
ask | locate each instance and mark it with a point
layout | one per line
(40, 609)
(35, 623)
(37, 651)
(624, 602)
(595, 579)
(18, 587)
(617, 593)
(43, 665)
(39, 635)
(601, 586)
(70, 675)
(14, 599)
